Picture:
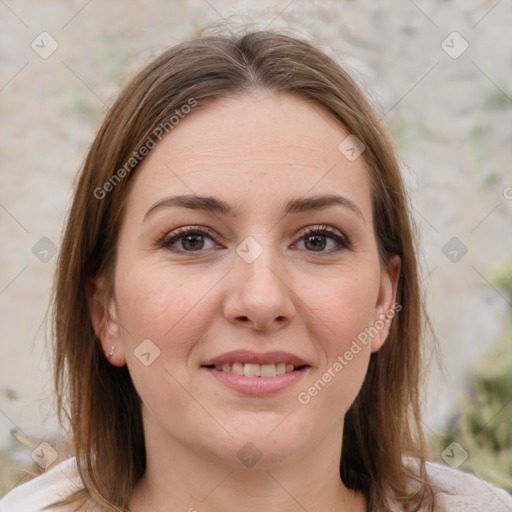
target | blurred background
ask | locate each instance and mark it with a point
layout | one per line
(438, 72)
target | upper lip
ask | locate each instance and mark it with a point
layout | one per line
(247, 356)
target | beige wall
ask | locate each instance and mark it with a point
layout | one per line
(450, 116)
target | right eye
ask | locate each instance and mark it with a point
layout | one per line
(188, 239)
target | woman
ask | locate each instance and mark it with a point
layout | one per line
(237, 309)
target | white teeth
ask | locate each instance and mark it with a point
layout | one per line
(252, 370)
(268, 370)
(280, 368)
(237, 369)
(256, 370)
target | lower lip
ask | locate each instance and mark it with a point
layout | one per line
(257, 386)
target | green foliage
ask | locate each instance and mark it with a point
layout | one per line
(408, 131)
(482, 422)
(497, 99)
(83, 109)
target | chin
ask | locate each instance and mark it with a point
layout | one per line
(256, 449)
(258, 456)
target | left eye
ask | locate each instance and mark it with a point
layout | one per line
(316, 239)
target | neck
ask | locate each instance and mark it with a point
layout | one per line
(179, 478)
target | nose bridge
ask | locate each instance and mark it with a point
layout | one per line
(261, 294)
(264, 272)
(261, 278)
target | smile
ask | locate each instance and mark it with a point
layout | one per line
(257, 385)
(256, 370)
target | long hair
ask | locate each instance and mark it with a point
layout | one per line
(383, 425)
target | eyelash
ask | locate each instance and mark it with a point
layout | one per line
(171, 238)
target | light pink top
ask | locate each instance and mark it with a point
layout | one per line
(456, 491)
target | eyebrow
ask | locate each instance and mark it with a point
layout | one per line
(216, 205)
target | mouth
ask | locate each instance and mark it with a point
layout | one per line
(254, 385)
(257, 370)
(254, 364)
(252, 373)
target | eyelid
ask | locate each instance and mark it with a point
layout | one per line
(175, 234)
(321, 228)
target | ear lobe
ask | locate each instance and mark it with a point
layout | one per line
(104, 321)
(386, 307)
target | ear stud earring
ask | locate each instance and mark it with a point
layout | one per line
(111, 351)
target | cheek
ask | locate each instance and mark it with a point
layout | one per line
(171, 310)
(344, 307)
(343, 312)
(164, 307)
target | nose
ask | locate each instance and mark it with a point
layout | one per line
(260, 295)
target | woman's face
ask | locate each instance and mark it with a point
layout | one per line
(248, 238)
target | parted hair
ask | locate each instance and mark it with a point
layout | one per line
(99, 401)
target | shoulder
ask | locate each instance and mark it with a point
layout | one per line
(55, 484)
(456, 491)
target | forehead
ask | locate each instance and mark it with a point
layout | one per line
(265, 145)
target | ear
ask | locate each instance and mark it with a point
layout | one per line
(103, 313)
(386, 307)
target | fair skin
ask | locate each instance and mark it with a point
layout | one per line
(306, 295)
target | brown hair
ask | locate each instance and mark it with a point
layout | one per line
(103, 408)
